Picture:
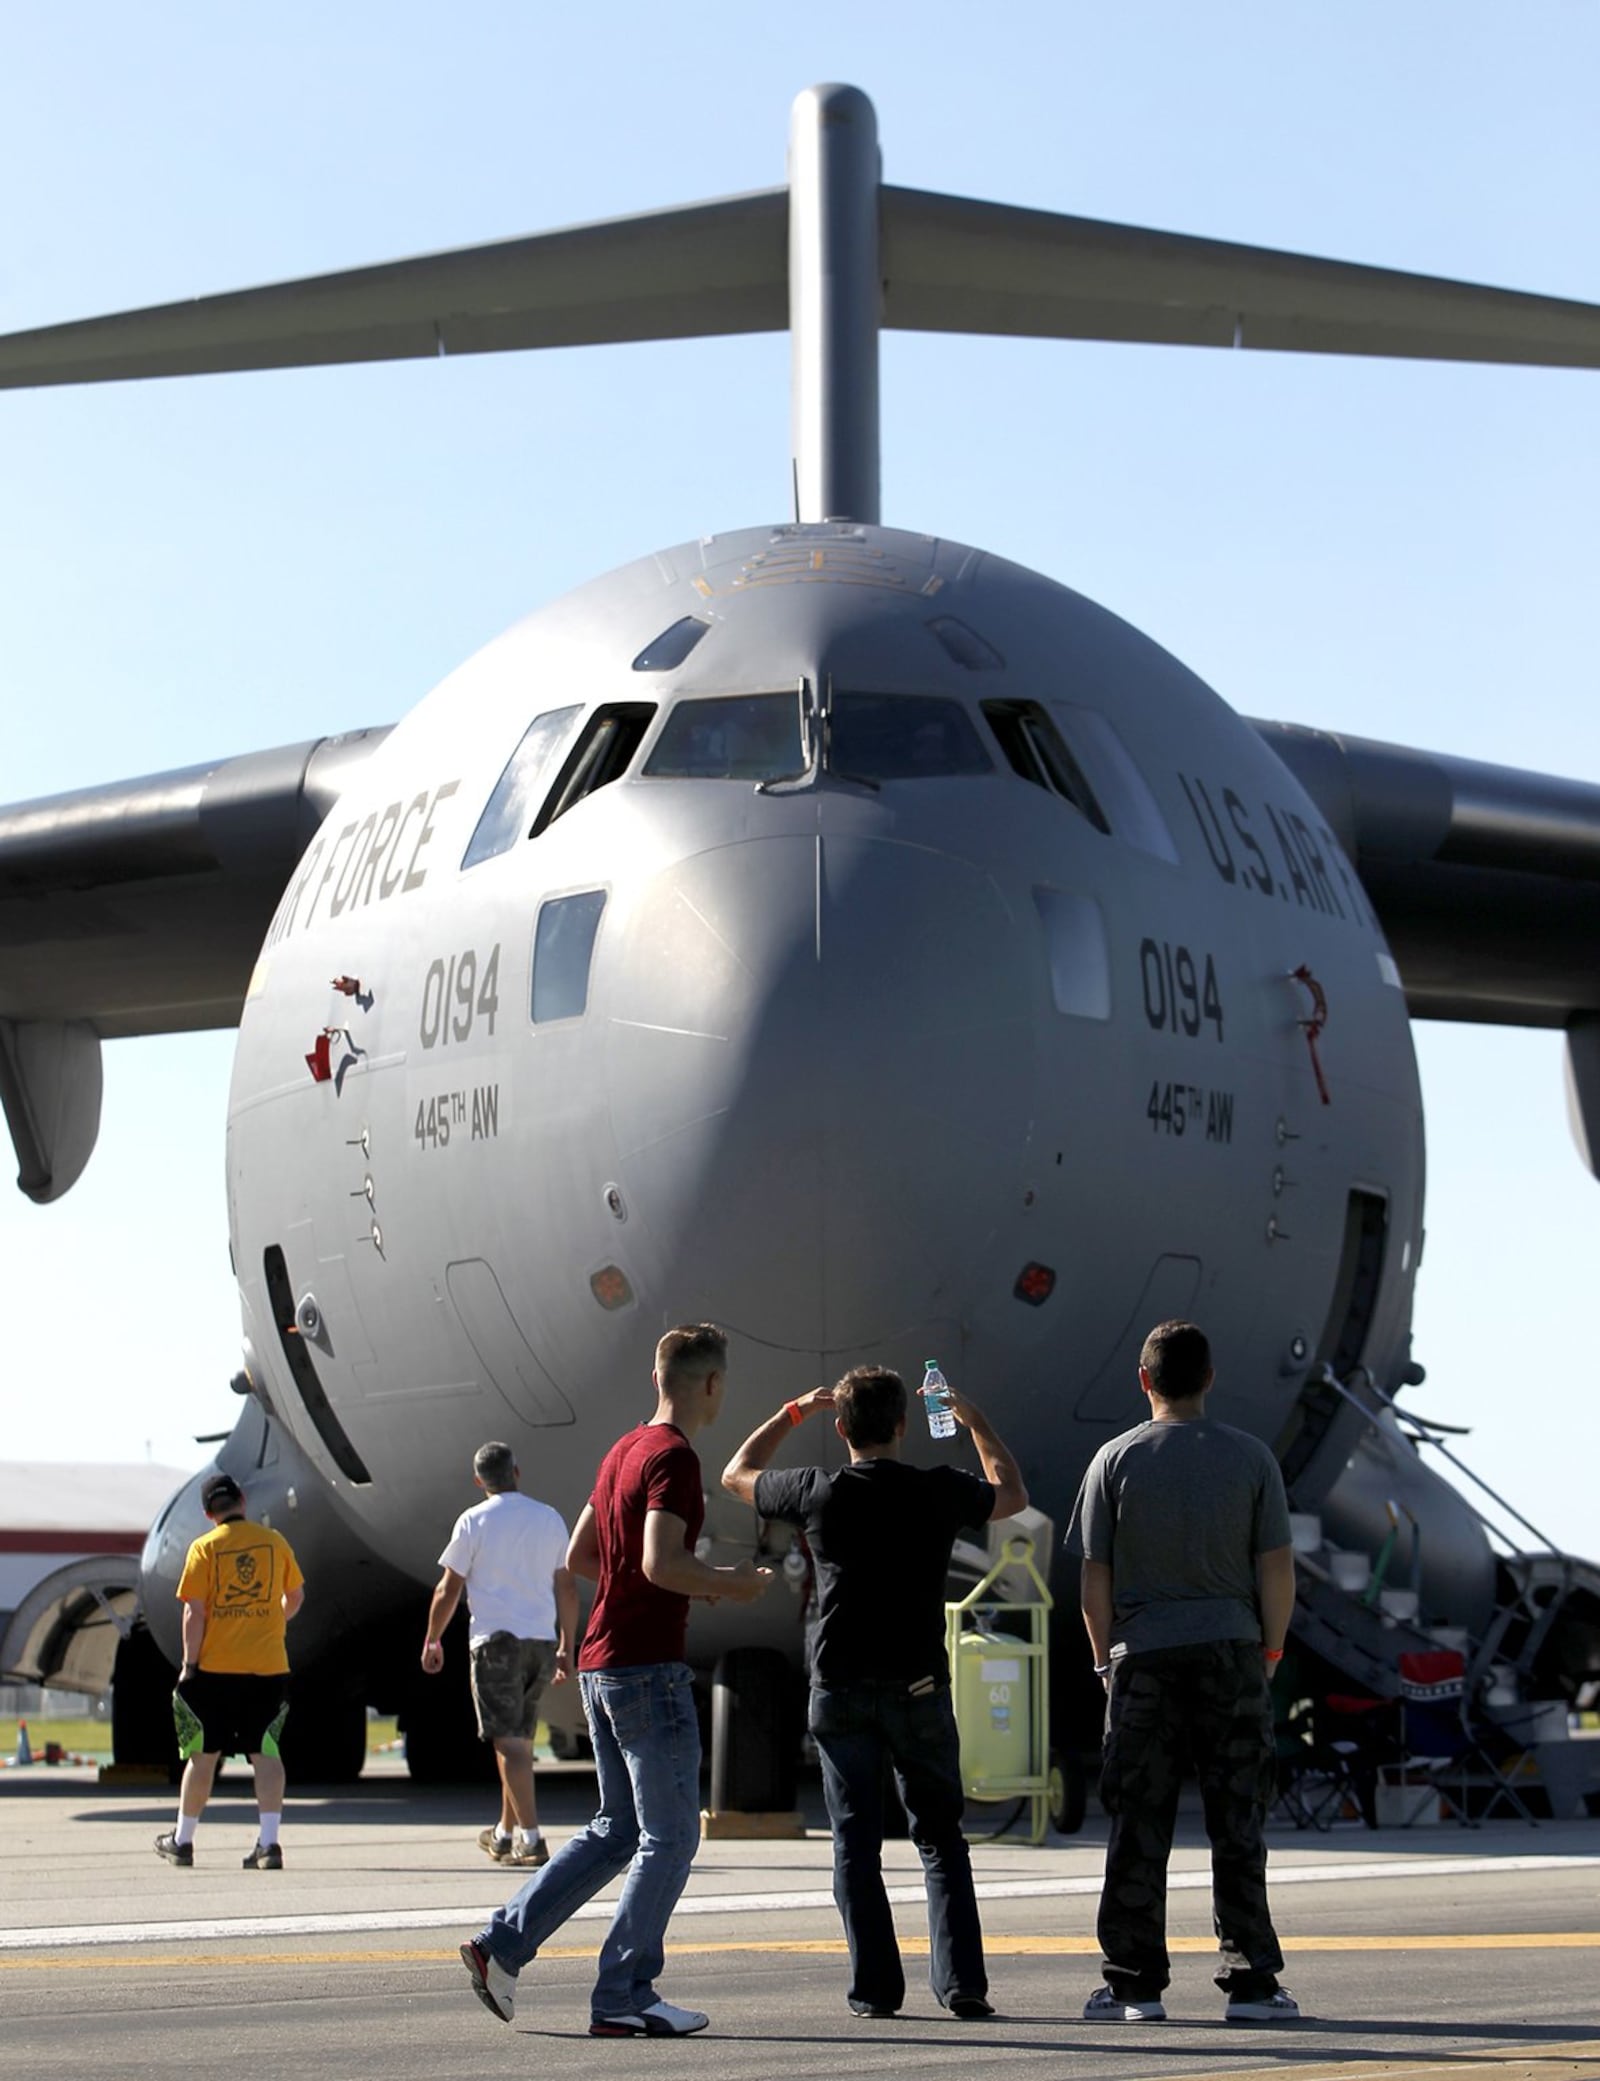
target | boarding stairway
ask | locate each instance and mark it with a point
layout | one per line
(1532, 1667)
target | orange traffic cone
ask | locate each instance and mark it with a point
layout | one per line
(24, 1752)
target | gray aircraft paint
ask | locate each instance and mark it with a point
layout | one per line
(821, 1090)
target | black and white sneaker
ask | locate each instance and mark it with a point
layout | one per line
(969, 2008)
(168, 1846)
(660, 2020)
(1279, 2007)
(264, 1857)
(1104, 2006)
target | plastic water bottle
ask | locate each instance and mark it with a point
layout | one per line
(936, 1395)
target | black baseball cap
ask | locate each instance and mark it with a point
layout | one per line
(221, 1489)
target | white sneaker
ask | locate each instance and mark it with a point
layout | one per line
(491, 1983)
(1280, 2007)
(1105, 2007)
(660, 2020)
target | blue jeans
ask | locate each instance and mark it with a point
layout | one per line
(860, 1732)
(647, 1754)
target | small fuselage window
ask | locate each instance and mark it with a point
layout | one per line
(563, 948)
(508, 814)
(733, 737)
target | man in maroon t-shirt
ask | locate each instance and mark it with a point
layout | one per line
(636, 1540)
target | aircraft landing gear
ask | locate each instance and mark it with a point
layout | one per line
(754, 1733)
(439, 1725)
(141, 1704)
(325, 1735)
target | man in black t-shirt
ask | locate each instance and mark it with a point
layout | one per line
(880, 1535)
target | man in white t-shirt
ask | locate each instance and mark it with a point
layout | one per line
(509, 1554)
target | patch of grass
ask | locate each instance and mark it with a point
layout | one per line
(77, 1737)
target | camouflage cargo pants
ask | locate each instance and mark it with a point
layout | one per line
(1208, 1705)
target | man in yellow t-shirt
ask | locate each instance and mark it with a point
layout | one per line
(240, 1587)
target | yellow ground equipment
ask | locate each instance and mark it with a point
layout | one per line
(1000, 1674)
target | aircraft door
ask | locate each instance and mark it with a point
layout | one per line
(1112, 1396)
(508, 1360)
(1343, 1344)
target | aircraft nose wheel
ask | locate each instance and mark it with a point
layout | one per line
(1066, 1792)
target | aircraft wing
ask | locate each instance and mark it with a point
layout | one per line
(949, 264)
(139, 908)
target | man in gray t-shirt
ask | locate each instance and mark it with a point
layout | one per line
(1182, 1528)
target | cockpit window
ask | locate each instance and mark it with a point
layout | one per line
(672, 646)
(1037, 752)
(509, 811)
(1131, 808)
(601, 755)
(966, 646)
(736, 737)
(903, 737)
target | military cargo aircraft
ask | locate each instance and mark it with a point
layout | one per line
(831, 930)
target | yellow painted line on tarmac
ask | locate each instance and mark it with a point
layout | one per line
(1578, 2060)
(834, 1947)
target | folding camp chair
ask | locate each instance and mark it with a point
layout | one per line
(1329, 1758)
(1444, 1755)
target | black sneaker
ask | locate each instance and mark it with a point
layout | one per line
(879, 2010)
(264, 1857)
(168, 1846)
(969, 2008)
(659, 2020)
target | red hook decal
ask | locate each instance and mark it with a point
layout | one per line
(1313, 1026)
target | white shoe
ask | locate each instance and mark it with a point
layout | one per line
(660, 2020)
(1280, 2007)
(491, 1983)
(1105, 2007)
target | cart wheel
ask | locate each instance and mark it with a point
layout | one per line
(1066, 1793)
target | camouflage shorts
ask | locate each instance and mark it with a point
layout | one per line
(508, 1680)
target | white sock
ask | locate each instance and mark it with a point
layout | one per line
(184, 1832)
(269, 1830)
(528, 1836)
(501, 1835)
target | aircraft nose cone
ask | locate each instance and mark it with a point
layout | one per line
(821, 1073)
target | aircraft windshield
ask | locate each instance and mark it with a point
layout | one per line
(736, 737)
(509, 810)
(903, 737)
(874, 737)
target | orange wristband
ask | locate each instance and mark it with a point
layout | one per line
(794, 1413)
(1272, 1654)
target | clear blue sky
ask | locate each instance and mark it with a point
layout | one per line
(203, 568)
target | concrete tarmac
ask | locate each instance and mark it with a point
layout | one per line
(1436, 1950)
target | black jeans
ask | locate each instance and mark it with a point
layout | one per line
(1209, 1703)
(859, 1731)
